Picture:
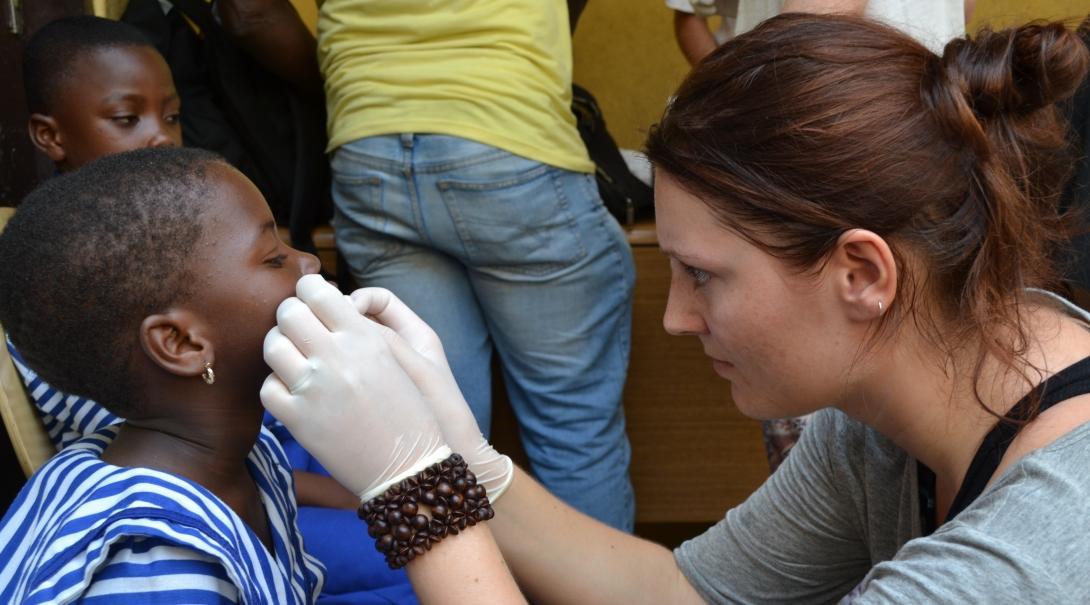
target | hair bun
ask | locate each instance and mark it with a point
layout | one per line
(1016, 71)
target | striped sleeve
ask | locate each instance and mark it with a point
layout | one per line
(150, 571)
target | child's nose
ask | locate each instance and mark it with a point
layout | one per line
(308, 263)
(161, 138)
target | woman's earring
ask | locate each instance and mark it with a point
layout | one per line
(208, 375)
(880, 310)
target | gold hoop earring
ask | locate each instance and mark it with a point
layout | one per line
(209, 376)
(880, 309)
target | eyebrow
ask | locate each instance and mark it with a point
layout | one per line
(132, 96)
(681, 256)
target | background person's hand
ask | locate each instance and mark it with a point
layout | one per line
(429, 369)
(339, 387)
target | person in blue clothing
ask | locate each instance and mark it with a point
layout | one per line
(190, 499)
(96, 87)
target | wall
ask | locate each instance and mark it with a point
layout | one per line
(626, 55)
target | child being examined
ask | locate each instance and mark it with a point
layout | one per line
(148, 280)
(96, 87)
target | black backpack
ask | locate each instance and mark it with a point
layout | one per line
(626, 197)
(233, 106)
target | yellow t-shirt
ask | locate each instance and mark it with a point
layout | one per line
(494, 71)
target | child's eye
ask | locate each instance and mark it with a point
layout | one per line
(173, 118)
(699, 276)
(278, 260)
(125, 120)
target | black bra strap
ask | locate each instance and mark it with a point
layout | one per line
(1072, 381)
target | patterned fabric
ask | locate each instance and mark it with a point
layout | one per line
(67, 418)
(82, 530)
(780, 436)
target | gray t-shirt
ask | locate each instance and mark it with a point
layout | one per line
(842, 516)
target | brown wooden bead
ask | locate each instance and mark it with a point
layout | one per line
(403, 532)
(440, 511)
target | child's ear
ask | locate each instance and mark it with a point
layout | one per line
(176, 342)
(46, 136)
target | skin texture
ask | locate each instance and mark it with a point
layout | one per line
(754, 316)
(199, 431)
(115, 99)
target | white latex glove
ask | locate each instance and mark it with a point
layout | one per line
(432, 375)
(339, 388)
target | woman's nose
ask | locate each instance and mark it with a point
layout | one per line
(682, 317)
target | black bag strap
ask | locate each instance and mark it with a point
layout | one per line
(1072, 381)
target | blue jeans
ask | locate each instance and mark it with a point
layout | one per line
(495, 250)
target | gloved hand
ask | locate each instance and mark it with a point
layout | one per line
(428, 368)
(339, 387)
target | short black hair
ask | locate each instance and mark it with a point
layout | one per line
(53, 49)
(89, 254)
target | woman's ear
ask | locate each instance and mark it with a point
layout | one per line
(864, 274)
(46, 136)
(176, 342)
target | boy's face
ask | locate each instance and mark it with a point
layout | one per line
(244, 272)
(115, 99)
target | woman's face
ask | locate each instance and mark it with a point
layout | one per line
(245, 271)
(778, 336)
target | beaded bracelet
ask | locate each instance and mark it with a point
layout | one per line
(400, 528)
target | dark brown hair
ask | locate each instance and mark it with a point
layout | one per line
(812, 125)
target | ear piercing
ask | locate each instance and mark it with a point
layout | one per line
(880, 309)
(209, 376)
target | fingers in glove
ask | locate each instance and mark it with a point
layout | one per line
(298, 323)
(278, 400)
(387, 309)
(286, 361)
(326, 302)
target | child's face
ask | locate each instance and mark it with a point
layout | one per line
(244, 272)
(117, 99)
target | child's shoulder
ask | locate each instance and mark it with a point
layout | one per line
(77, 510)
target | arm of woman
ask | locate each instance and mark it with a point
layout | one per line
(464, 568)
(560, 555)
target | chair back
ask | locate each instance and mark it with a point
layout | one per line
(25, 429)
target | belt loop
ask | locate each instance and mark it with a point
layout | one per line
(407, 140)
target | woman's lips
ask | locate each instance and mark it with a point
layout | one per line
(721, 366)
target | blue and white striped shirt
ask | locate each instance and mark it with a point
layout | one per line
(82, 530)
(67, 418)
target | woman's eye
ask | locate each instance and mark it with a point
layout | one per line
(173, 118)
(699, 276)
(278, 260)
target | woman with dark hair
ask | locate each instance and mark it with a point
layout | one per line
(858, 228)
